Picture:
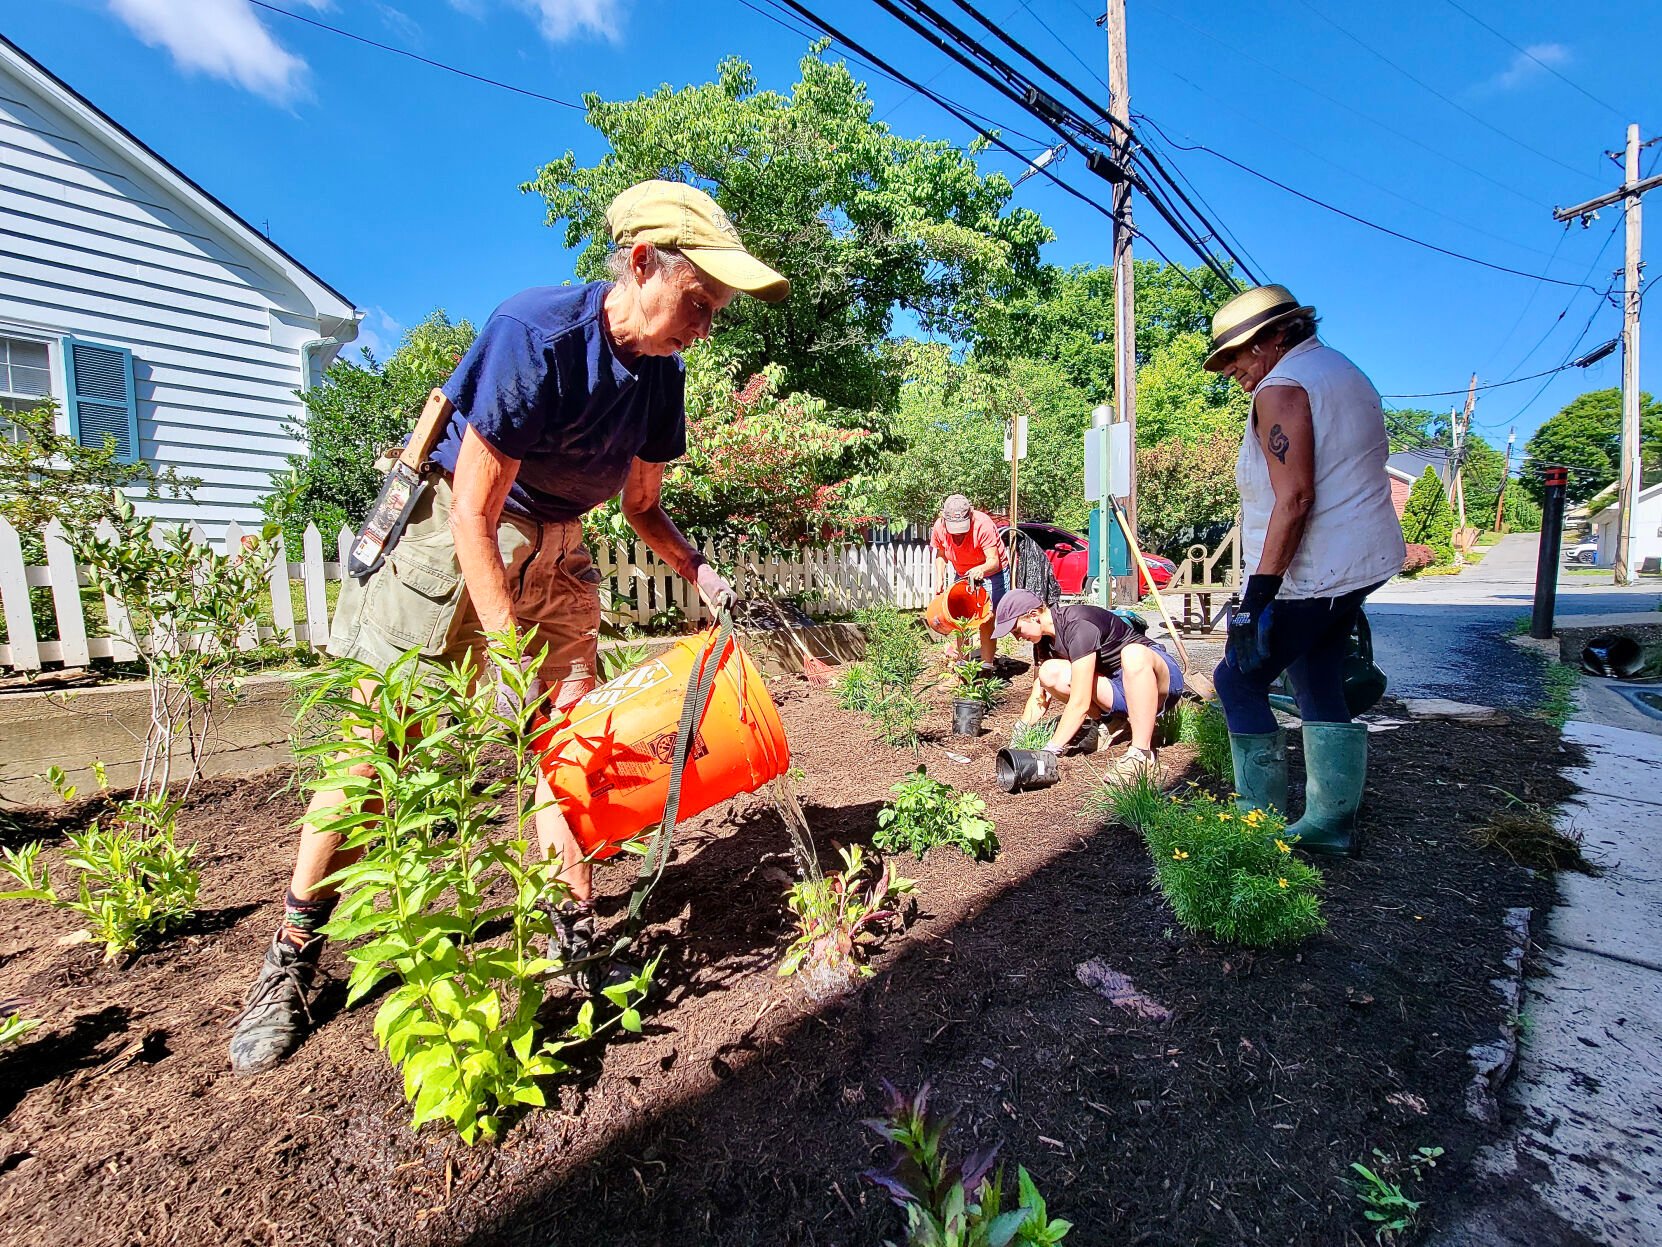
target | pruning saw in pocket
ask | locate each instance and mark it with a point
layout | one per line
(400, 492)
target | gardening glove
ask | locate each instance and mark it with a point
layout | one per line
(509, 705)
(1248, 646)
(713, 585)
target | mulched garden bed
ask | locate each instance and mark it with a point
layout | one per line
(735, 1118)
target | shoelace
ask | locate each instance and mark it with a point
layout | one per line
(265, 992)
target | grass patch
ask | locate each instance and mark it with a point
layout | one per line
(1557, 702)
(1201, 724)
(1528, 835)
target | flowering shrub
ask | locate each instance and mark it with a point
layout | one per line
(767, 471)
(1418, 558)
(1224, 873)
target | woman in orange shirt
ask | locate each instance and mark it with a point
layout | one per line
(966, 542)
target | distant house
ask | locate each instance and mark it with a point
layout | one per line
(1404, 467)
(1644, 543)
(148, 309)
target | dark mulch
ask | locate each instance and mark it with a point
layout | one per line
(734, 1120)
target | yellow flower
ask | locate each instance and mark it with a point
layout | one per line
(1178, 855)
(1282, 882)
(1255, 817)
(1225, 817)
(1283, 845)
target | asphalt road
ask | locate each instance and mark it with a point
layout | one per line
(1449, 636)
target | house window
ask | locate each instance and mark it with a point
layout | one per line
(25, 380)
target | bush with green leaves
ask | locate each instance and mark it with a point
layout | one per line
(838, 917)
(969, 683)
(949, 1202)
(450, 861)
(884, 685)
(927, 812)
(192, 611)
(1224, 873)
(132, 880)
(1427, 518)
(1202, 725)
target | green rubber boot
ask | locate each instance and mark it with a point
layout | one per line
(1336, 766)
(1260, 760)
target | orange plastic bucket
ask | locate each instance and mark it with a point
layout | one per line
(959, 605)
(609, 761)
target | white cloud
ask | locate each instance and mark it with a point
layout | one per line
(1526, 66)
(379, 332)
(221, 38)
(560, 20)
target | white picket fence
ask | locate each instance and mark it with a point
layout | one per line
(635, 587)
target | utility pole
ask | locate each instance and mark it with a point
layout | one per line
(1125, 300)
(1505, 478)
(1630, 193)
(1462, 426)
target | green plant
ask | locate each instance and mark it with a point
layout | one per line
(13, 1026)
(838, 916)
(133, 881)
(1224, 873)
(969, 684)
(927, 812)
(1559, 684)
(1427, 518)
(1136, 804)
(192, 612)
(1387, 1208)
(616, 659)
(1201, 725)
(884, 685)
(1033, 735)
(953, 1203)
(439, 753)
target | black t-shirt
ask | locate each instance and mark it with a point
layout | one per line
(1082, 630)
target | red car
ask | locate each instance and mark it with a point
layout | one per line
(1070, 559)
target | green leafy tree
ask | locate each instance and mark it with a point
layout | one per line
(352, 416)
(1427, 519)
(864, 223)
(1184, 488)
(1587, 435)
(1415, 428)
(1177, 398)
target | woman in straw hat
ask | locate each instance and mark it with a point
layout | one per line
(1319, 533)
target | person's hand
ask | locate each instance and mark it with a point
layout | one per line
(974, 577)
(1248, 646)
(715, 589)
(509, 705)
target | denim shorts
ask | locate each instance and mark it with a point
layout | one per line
(1171, 665)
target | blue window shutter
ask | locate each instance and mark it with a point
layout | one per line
(102, 399)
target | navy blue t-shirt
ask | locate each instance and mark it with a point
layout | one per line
(541, 384)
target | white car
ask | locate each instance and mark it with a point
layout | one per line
(1587, 553)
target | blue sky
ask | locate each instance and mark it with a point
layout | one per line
(398, 183)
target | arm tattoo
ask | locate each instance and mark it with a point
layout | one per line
(1279, 444)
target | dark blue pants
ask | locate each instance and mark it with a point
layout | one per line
(1309, 639)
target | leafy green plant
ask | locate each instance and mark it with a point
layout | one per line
(447, 761)
(616, 659)
(1201, 725)
(132, 879)
(13, 1026)
(969, 684)
(884, 685)
(947, 1202)
(927, 812)
(1032, 736)
(1385, 1206)
(838, 917)
(1224, 873)
(192, 611)
(1559, 684)
(1135, 803)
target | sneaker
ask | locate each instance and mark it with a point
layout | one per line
(1087, 739)
(1132, 763)
(275, 1016)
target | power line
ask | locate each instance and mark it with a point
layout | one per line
(1526, 52)
(1426, 86)
(1373, 225)
(1493, 385)
(1189, 182)
(449, 69)
(1063, 43)
(1605, 294)
(1235, 50)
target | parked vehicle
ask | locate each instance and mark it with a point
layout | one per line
(1070, 559)
(1587, 553)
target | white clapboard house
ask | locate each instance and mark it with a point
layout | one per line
(147, 308)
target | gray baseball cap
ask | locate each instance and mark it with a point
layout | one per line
(1011, 607)
(955, 514)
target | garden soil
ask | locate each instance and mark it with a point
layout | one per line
(736, 1117)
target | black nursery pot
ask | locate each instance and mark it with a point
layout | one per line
(966, 718)
(1021, 770)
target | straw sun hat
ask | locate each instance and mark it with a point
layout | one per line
(1247, 314)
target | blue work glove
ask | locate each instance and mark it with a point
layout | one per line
(1248, 646)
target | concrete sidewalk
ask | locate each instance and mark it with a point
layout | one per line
(1589, 1089)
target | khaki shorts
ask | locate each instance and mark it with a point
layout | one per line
(418, 600)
